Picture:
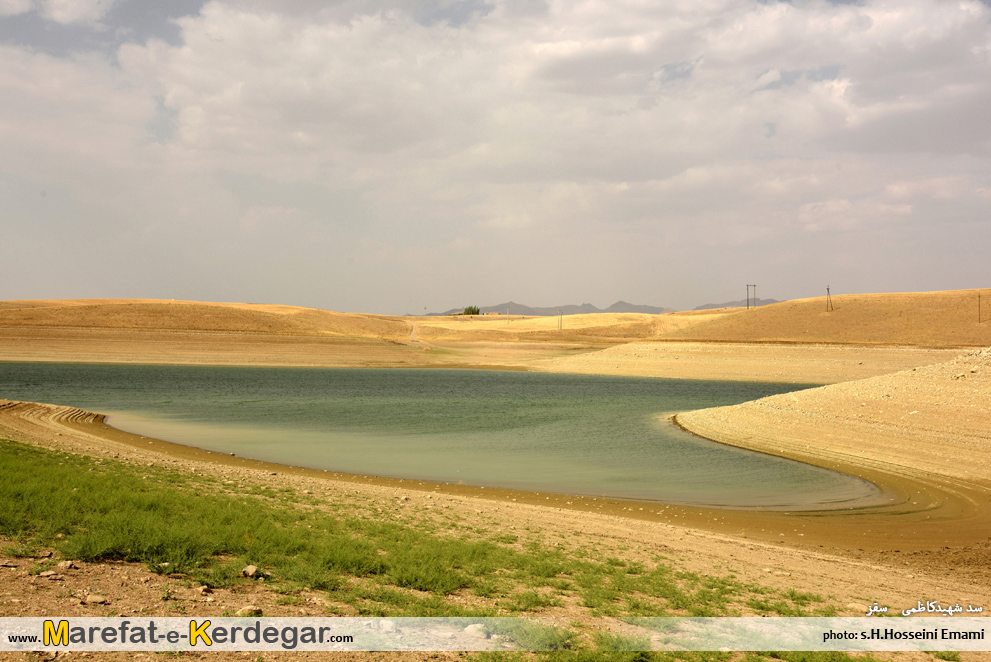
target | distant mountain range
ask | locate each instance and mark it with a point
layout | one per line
(742, 303)
(520, 309)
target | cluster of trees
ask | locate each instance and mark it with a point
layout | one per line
(471, 310)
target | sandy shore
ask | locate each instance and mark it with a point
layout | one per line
(929, 421)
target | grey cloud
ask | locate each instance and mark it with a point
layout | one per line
(426, 12)
(676, 71)
(784, 79)
(825, 72)
(788, 78)
(453, 12)
(127, 21)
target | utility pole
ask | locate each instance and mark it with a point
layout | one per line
(748, 296)
(829, 301)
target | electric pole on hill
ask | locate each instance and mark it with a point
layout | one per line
(829, 301)
(748, 295)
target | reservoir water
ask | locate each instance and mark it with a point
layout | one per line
(574, 434)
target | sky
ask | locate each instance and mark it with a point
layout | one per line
(390, 157)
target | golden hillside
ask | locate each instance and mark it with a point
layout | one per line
(926, 319)
(150, 314)
(594, 328)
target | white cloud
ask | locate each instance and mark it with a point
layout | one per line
(60, 11)
(14, 7)
(75, 11)
(563, 124)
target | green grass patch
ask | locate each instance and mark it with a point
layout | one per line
(176, 522)
(806, 656)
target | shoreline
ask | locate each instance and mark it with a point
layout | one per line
(954, 516)
(813, 551)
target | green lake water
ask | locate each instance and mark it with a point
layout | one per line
(574, 434)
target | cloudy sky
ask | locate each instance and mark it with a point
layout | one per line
(380, 156)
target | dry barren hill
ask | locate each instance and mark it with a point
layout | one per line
(593, 328)
(189, 332)
(149, 314)
(925, 319)
(729, 343)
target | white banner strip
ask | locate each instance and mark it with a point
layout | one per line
(489, 634)
(274, 634)
(814, 634)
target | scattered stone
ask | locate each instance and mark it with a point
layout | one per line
(204, 590)
(250, 610)
(47, 573)
(43, 555)
(95, 599)
(249, 571)
(476, 630)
